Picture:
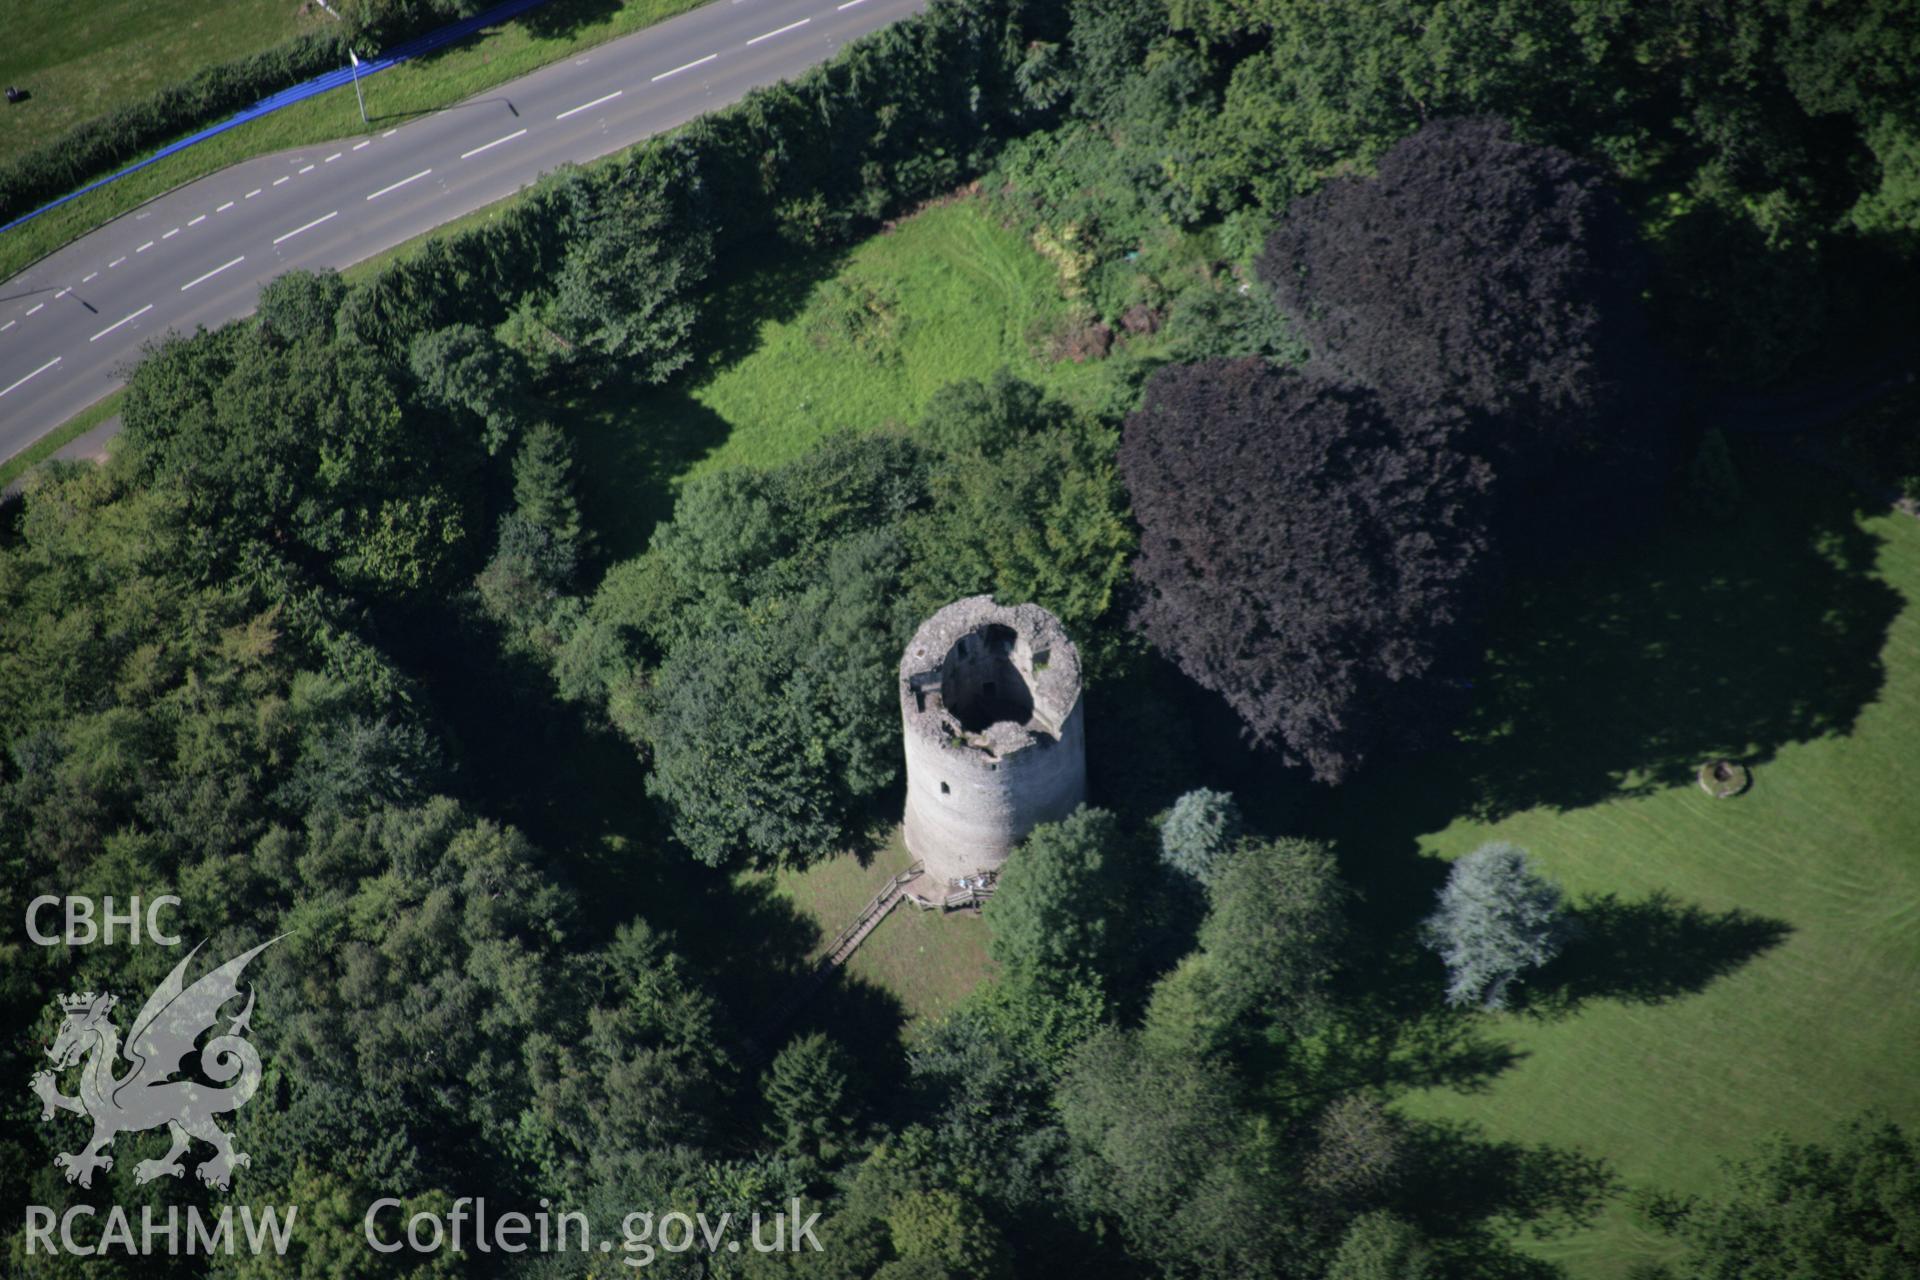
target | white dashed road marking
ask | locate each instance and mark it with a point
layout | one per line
(468, 155)
(223, 208)
(309, 169)
(117, 323)
(782, 31)
(367, 143)
(116, 262)
(171, 234)
(278, 181)
(849, 4)
(335, 156)
(588, 106)
(685, 66)
(251, 194)
(211, 274)
(396, 186)
(63, 293)
(197, 221)
(143, 248)
(310, 226)
(36, 373)
(88, 278)
(37, 308)
(8, 325)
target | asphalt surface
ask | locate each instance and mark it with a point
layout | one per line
(71, 325)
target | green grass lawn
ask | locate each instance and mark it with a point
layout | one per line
(927, 960)
(1790, 639)
(951, 294)
(532, 40)
(82, 58)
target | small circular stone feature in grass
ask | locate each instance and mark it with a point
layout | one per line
(1724, 779)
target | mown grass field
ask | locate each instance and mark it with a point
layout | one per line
(1774, 987)
(82, 58)
(498, 54)
(925, 960)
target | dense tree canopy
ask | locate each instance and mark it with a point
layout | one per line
(763, 625)
(313, 449)
(264, 658)
(1846, 1208)
(1308, 553)
(1481, 270)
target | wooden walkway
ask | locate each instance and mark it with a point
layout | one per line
(848, 940)
(844, 945)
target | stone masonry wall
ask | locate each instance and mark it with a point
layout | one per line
(994, 736)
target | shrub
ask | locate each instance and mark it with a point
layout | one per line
(1202, 826)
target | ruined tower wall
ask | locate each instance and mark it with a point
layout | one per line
(994, 733)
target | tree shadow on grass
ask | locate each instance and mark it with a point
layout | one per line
(632, 444)
(1435, 1049)
(565, 17)
(1624, 676)
(1648, 952)
(1731, 640)
(771, 283)
(1462, 1184)
(634, 441)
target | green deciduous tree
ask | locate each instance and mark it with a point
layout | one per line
(1274, 929)
(467, 371)
(1846, 1208)
(628, 290)
(310, 451)
(1058, 912)
(1161, 1149)
(1380, 1246)
(1026, 505)
(299, 306)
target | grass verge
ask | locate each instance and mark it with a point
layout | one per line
(46, 446)
(543, 35)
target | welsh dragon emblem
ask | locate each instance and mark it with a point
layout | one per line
(173, 1019)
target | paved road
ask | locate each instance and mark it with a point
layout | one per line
(70, 324)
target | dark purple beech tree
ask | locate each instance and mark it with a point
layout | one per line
(1490, 272)
(1312, 551)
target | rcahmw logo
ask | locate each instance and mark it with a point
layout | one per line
(147, 1095)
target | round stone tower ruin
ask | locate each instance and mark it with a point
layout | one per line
(990, 700)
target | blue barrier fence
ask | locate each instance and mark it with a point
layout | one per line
(402, 52)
